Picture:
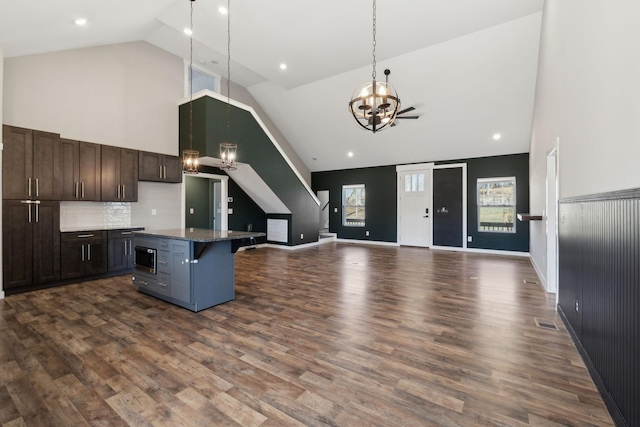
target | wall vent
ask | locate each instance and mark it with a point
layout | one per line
(546, 324)
(530, 282)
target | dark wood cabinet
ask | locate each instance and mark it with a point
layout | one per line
(83, 254)
(31, 168)
(31, 242)
(81, 168)
(119, 174)
(120, 247)
(159, 167)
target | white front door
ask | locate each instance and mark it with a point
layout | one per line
(415, 210)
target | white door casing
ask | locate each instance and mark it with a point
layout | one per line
(552, 220)
(415, 205)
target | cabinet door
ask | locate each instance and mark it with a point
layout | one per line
(118, 254)
(69, 169)
(17, 241)
(180, 287)
(46, 166)
(46, 242)
(72, 259)
(129, 175)
(96, 261)
(150, 167)
(17, 163)
(172, 169)
(110, 174)
(89, 168)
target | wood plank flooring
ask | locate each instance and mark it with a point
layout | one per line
(338, 334)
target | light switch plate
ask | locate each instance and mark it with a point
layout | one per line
(191, 210)
(230, 211)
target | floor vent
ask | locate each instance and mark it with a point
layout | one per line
(546, 324)
(530, 282)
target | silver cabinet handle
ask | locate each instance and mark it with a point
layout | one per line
(124, 233)
(178, 252)
(164, 285)
(123, 193)
(38, 213)
(84, 236)
(37, 188)
(82, 185)
(118, 191)
(163, 262)
(29, 187)
(143, 283)
(125, 248)
(75, 194)
(82, 252)
(88, 251)
(130, 251)
(29, 212)
(160, 166)
(165, 172)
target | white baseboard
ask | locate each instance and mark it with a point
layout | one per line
(541, 277)
(1, 294)
(367, 242)
(481, 251)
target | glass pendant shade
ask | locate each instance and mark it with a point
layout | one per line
(228, 156)
(374, 105)
(190, 161)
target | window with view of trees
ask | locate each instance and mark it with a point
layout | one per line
(353, 205)
(497, 205)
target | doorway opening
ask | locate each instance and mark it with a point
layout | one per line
(204, 201)
(323, 220)
(415, 205)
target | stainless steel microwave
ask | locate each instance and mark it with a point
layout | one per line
(145, 259)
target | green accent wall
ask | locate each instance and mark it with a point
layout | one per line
(196, 198)
(256, 149)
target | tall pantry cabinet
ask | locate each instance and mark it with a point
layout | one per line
(31, 185)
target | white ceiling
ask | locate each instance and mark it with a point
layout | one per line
(468, 66)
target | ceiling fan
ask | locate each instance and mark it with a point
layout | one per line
(406, 110)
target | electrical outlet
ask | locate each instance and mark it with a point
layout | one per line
(302, 236)
(335, 210)
(154, 212)
(577, 307)
(230, 211)
(191, 211)
(469, 238)
(366, 233)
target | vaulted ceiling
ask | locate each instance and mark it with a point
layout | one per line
(467, 66)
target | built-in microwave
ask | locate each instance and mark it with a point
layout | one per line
(145, 259)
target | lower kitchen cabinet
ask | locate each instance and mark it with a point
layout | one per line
(31, 242)
(83, 254)
(120, 250)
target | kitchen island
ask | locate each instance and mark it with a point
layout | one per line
(193, 268)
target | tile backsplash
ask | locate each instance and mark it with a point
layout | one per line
(95, 214)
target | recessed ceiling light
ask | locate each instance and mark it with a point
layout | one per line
(223, 10)
(350, 154)
(188, 31)
(283, 66)
(497, 136)
(81, 21)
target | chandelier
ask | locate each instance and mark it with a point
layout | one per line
(190, 156)
(228, 149)
(374, 105)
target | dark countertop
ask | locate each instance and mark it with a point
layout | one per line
(200, 234)
(98, 228)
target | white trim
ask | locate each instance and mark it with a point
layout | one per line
(224, 190)
(1, 294)
(542, 279)
(414, 167)
(481, 251)
(250, 109)
(367, 242)
(464, 197)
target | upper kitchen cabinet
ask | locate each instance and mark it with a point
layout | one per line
(80, 170)
(119, 174)
(159, 167)
(31, 168)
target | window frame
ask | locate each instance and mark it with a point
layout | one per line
(514, 204)
(345, 206)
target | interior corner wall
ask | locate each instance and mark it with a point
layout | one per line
(242, 94)
(588, 96)
(1, 121)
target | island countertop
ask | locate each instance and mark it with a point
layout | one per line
(200, 234)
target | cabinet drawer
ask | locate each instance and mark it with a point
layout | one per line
(164, 281)
(164, 262)
(144, 282)
(83, 235)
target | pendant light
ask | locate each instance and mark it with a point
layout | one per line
(228, 149)
(374, 105)
(190, 156)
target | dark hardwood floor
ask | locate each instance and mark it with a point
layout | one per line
(338, 334)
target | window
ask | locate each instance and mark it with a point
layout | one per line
(413, 182)
(353, 205)
(497, 204)
(202, 79)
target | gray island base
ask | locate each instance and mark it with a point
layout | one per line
(193, 268)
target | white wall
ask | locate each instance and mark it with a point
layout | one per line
(1, 98)
(588, 95)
